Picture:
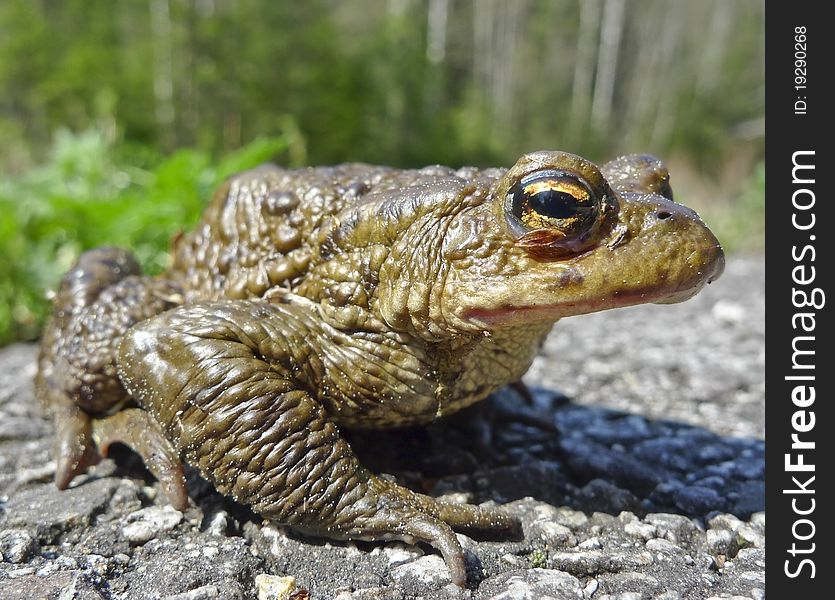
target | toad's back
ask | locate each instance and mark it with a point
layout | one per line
(264, 227)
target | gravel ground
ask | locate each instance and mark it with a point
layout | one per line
(651, 487)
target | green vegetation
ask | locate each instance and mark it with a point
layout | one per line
(539, 559)
(740, 223)
(84, 197)
(118, 118)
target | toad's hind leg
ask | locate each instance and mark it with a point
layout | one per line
(97, 301)
(233, 384)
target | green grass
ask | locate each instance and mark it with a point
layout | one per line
(90, 194)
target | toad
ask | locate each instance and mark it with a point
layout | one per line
(306, 301)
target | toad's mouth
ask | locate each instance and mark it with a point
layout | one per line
(510, 315)
(660, 293)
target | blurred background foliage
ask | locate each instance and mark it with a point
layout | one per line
(117, 118)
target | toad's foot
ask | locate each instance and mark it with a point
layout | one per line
(82, 441)
(97, 300)
(223, 379)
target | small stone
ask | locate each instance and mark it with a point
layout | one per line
(670, 595)
(513, 560)
(748, 536)
(640, 530)
(204, 592)
(754, 576)
(662, 545)
(216, 523)
(145, 524)
(541, 584)
(675, 528)
(592, 543)
(66, 562)
(121, 559)
(629, 581)
(758, 519)
(17, 546)
(573, 519)
(47, 570)
(553, 534)
(724, 521)
(594, 562)
(397, 554)
(602, 520)
(427, 572)
(722, 541)
(272, 587)
(97, 563)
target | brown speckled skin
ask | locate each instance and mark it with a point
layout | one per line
(354, 296)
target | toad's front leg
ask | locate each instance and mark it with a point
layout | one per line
(229, 383)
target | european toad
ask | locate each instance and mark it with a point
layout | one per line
(351, 296)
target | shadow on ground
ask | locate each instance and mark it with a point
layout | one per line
(585, 458)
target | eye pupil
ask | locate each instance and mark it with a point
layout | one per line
(555, 204)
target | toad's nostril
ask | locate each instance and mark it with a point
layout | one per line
(663, 215)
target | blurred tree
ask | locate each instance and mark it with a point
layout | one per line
(398, 81)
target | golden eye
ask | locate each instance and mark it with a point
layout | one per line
(558, 201)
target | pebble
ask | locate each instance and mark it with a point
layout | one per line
(748, 536)
(427, 572)
(216, 523)
(593, 562)
(272, 587)
(662, 545)
(640, 530)
(17, 546)
(590, 544)
(722, 541)
(204, 592)
(553, 534)
(539, 584)
(724, 521)
(397, 554)
(674, 528)
(145, 524)
(573, 519)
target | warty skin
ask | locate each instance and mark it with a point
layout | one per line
(351, 296)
